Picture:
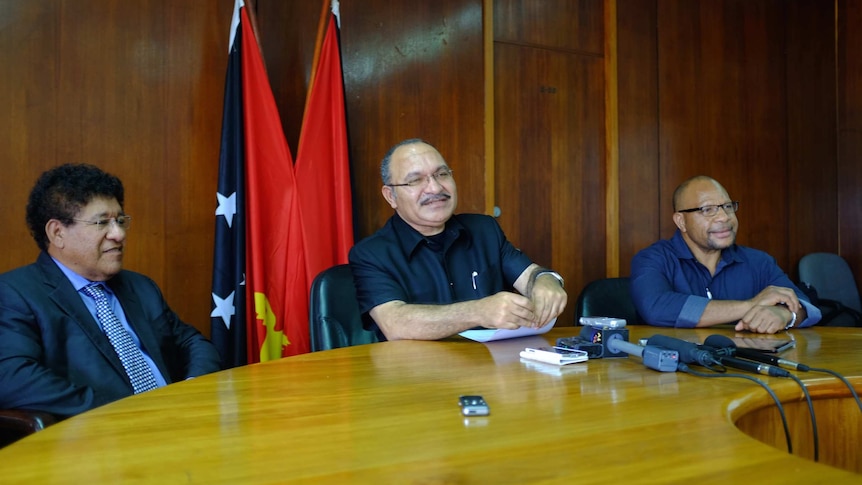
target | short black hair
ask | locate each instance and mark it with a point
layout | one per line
(62, 191)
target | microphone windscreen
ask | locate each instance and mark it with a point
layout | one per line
(719, 342)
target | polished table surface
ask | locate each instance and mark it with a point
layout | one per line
(388, 413)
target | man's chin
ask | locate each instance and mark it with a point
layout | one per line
(721, 243)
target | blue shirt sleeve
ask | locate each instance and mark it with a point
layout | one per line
(654, 294)
(672, 289)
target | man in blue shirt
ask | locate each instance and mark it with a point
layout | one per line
(701, 277)
(429, 274)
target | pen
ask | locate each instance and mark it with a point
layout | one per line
(708, 294)
(473, 277)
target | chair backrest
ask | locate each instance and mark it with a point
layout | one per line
(831, 277)
(608, 297)
(334, 319)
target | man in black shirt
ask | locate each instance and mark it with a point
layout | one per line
(429, 274)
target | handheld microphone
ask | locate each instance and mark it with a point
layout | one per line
(688, 352)
(720, 342)
(758, 356)
(603, 336)
(655, 358)
(755, 367)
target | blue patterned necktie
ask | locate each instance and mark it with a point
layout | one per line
(130, 355)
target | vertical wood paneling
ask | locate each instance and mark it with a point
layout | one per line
(722, 111)
(550, 153)
(413, 69)
(849, 175)
(811, 130)
(637, 82)
(572, 25)
(135, 88)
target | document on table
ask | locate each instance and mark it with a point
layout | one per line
(491, 334)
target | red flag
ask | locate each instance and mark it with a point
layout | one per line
(322, 166)
(275, 266)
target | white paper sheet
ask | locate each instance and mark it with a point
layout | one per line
(491, 334)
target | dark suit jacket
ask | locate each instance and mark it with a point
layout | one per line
(54, 356)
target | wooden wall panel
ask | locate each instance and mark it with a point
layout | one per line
(550, 177)
(137, 89)
(722, 111)
(850, 134)
(413, 69)
(570, 25)
(640, 194)
(811, 130)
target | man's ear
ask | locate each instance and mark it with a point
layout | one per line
(389, 194)
(679, 220)
(56, 232)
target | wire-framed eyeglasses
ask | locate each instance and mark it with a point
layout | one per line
(442, 176)
(712, 210)
(123, 222)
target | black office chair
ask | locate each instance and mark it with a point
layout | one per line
(608, 297)
(829, 282)
(334, 319)
(17, 423)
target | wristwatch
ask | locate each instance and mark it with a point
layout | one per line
(552, 273)
(792, 319)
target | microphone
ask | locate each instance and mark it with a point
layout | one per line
(688, 352)
(754, 367)
(758, 356)
(655, 358)
(723, 344)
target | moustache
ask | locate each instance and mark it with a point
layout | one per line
(434, 198)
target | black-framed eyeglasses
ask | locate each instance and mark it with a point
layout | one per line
(123, 222)
(711, 210)
(441, 176)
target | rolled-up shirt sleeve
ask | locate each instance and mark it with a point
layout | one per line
(654, 296)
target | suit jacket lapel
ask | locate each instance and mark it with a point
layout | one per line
(69, 302)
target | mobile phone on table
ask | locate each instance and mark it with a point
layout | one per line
(473, 405)
(764, 344)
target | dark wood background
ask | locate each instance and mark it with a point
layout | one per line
(599, 109)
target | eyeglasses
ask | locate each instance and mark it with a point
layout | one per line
(123, 222)
(441, 176)
(712, 210)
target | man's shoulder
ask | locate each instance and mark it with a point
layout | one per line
(662, 246)
(131, 278)
(27, 274)
(750, 254)
(473, 219)
(382, 237)
(477, 225)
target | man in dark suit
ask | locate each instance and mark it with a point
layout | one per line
(76, 330)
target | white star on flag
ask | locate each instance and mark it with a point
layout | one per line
(226, 207)
(224, 308)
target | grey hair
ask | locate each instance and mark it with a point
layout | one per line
(385, 172)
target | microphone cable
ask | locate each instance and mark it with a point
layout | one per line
(789, 364)
(814, 432)
(842, 379)
(722, 345)
(685, 368)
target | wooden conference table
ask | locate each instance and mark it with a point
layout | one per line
(388, 413)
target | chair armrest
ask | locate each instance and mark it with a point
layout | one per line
(24, 421)
(833, 308)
